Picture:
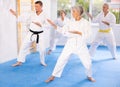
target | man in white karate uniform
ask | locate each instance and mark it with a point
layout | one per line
(36, 22)
(106, 20)
(77, 31)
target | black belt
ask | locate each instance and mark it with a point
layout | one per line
(36, 33)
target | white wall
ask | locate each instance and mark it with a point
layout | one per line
(8, 31)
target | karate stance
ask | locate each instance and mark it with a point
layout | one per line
(61, 21)
(106, 20)
(36, 33)
(78, 31)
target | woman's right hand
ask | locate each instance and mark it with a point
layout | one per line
(76, 32)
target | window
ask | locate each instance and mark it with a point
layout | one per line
(85, 4)
(96, 7)
(114, 8)
(92, 6)
(64, 5)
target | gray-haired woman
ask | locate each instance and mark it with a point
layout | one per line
(77, 31)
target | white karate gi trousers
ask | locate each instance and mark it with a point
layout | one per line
(57, 36)
(77, 48)
(108, 38)
(24, 50)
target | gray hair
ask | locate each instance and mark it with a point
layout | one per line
(79, 9)
(106, 4)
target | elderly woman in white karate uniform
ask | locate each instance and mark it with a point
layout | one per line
(106, 21)
(77, 31)
(36, 28)
(61, 21)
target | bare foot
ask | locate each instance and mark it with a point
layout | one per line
(91, 79)
(50, 79)
(115, 58)
(43, 64)
(49, 51)
(17, 64)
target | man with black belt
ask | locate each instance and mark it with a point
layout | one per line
(36, 29)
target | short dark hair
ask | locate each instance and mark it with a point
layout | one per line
(39, 2)
(63, 11)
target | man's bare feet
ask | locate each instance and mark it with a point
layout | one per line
(49, 51)
(17, 64)
(50, 79)
(91, 79)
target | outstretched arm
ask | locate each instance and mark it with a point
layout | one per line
(52, 23)
(13, 12)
